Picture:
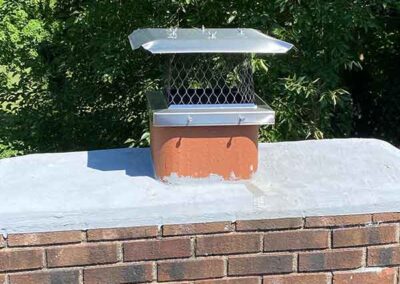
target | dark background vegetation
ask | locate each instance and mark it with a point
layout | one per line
(70, 81)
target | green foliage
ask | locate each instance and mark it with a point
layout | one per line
(70, 81)
(376, 88)
(307, 110)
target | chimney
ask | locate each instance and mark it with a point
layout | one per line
(206, 116)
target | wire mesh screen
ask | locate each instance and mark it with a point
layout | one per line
(194, 79)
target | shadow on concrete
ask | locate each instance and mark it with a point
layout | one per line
(134, 161)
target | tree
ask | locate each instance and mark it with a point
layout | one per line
(70, 81)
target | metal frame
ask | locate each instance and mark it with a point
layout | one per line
(192, 107)
(203, 115)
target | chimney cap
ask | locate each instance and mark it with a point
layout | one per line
(195, 40)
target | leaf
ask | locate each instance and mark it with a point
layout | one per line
(232, 17)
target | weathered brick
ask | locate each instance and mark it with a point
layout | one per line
(384, 276)
(228, 244)
(81, 255)
(2, 279)
(13, 260)
(2, 242)
(384, 256)
(190, 269)
(122, 233)
(330, 260)
(51, 277)
(197, 228)
(133, 273)
(296, 240)
(232, 280)
(337, 221)
(157, 249)
(269, 224)
(386, 217)
(312, 278)
(351, 237)
(179, 282)
(261, 264)
(48, 238)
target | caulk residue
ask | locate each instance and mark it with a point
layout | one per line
(174, 179)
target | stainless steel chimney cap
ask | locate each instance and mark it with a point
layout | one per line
(204, 40)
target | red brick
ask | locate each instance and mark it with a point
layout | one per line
(122, 233)
(13, 260)
(384, 256)
(157, 249)
(260, 264)
(270, 224)
(49, 238)
(197, 228)
(61, 276)
(296, 240)
(351, 237)
(330, 260)
(240, 280)
(228, 244)
(191, 269)
(133, 273)
(385, 276)
(386, 217)
(87, 254)
(337, 221)
(316, 278)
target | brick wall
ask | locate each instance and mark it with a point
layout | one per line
(359, 249)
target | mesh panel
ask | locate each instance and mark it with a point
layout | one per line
(209, 79)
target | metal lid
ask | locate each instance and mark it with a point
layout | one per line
(164, 41)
